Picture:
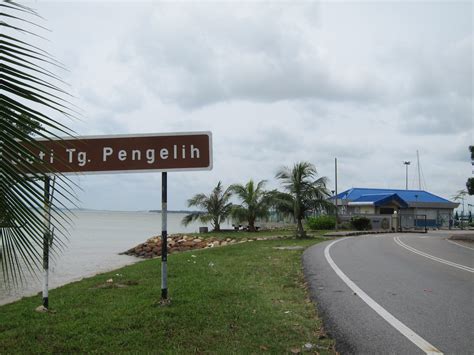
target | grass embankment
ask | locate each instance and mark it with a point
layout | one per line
(244, 298)
(247, 235)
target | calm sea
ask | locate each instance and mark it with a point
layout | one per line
(95, 240)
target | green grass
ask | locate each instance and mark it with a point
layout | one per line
(245, 298)
(260, 234)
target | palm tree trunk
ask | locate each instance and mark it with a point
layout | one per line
(301, 233)
(251, 225)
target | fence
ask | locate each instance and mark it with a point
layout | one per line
(384, 222)
(407, 222)
(396, 222)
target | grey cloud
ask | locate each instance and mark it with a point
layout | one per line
(103, 122)
(264, 144)
(447, 71)
(121, 101)
(275, 86)
(458, 151)
(447, 114)
(194, 57)
(432, 87)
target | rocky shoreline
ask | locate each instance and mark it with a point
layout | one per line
(176, 243)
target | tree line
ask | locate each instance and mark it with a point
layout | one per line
(302, 193)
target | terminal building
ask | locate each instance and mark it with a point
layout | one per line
(408, 208)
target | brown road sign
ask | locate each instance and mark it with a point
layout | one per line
(128, 153)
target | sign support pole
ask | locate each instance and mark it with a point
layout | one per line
(164, 236)
(46, 239)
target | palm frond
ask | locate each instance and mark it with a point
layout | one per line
(255, 201)
(239, 214)
(190, 218)
(28, 93)
(215, 207)
(304, 192)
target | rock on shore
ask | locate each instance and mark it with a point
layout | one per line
(152, 247)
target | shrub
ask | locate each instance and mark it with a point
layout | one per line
(321, 222)
(361, 223)
(346, 225)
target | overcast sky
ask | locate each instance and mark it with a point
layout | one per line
(275, 82)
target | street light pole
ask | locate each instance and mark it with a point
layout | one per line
(406, 173)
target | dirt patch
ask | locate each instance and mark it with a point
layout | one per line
(112, 284)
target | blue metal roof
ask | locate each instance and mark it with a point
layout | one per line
(381, 199)
(406, 195)
(372, 197)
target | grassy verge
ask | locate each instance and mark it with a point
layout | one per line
(260, 234)
(244, 298)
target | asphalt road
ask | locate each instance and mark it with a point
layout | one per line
(395, 293)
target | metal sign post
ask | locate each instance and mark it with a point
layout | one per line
(46, 239)
(164, 236)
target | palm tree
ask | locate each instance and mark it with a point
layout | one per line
(303, 192)
(460, 197)
(255, 202)
(29, 93)
(216, 207)
(470, 181)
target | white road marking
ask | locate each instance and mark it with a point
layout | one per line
(394, 322)
(459, 245)
(447, 262)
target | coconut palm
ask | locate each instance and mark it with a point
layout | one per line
(304, 192)
(255, 202)
(29, 93)
(215, 207)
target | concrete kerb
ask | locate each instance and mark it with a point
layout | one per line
(468, 237)
(353, 233)
(357, 233)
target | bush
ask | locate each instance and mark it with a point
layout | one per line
(361, 223)
(346, 225)
(321, 222)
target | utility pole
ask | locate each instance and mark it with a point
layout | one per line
(335, 175)
(419, 170)
(416, 203)
(406, 173)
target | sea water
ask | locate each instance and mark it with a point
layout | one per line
(95, 240)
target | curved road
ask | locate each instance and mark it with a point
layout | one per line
(395, 293)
